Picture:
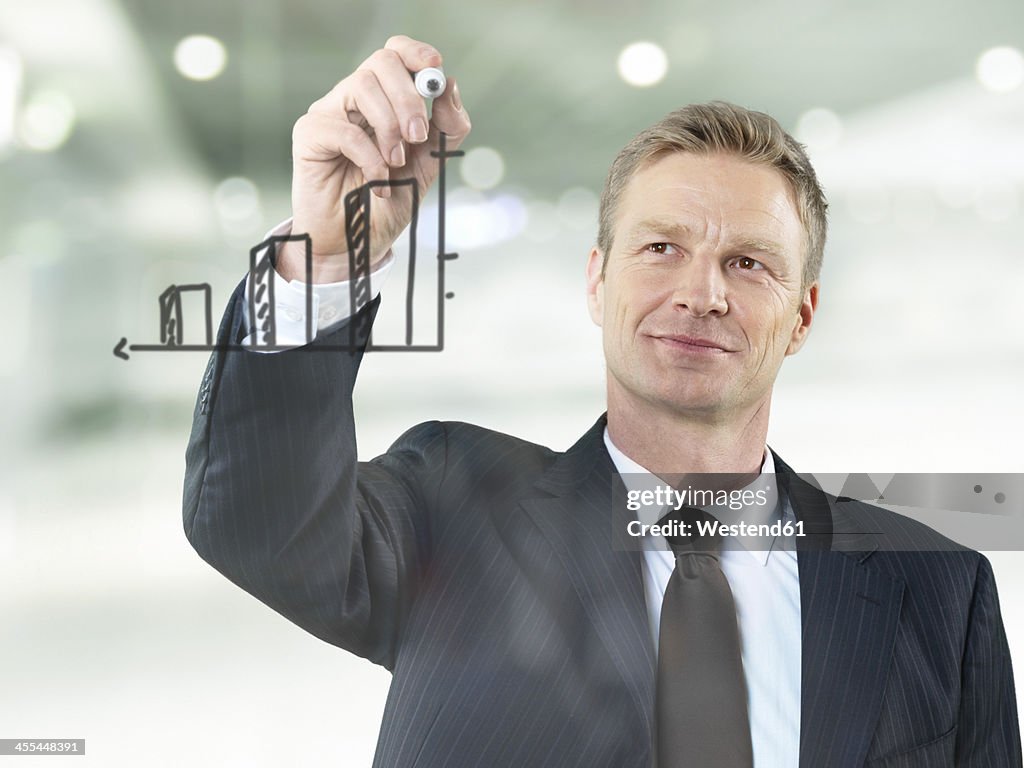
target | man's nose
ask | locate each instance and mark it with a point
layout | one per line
(700, 288)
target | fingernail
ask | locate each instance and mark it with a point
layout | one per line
(418, 129)
(456, 98)
(398, 155)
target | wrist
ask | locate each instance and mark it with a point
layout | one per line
(326, 268)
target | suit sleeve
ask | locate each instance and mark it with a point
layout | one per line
(275, 499)
(988, 731)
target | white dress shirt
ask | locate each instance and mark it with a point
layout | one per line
(765, 585)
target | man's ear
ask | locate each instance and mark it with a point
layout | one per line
(808, 306)
(595, 285)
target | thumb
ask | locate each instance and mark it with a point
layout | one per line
(449, 115)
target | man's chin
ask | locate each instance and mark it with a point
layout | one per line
(667, 393)
(692, 402)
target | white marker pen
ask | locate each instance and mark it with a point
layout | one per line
(430, 82)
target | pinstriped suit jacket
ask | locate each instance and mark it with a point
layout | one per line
(479, 569)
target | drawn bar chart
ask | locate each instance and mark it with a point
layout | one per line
(260, 297)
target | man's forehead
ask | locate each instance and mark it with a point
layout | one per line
(678, 193)
(722, 176)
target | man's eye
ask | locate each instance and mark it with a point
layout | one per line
(745, 262)
(659, 248)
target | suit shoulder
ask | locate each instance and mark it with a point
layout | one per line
(900, 532)
(467, 440)
(463, 442)
(919, 554)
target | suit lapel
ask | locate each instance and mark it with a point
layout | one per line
(850, 613)
(578, 519)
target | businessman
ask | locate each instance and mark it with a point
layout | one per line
(488, 573)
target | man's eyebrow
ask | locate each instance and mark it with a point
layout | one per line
(757, 244)
(660, 226)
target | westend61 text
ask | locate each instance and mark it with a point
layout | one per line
(711, 528)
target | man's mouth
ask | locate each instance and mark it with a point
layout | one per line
(691, 343)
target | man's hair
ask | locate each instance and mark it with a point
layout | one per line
(722, 127)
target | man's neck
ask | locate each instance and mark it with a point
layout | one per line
(670, 443)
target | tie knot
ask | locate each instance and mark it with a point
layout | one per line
(694, 531)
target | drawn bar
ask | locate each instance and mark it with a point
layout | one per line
(171, 323)
(170, 317)
(442, 156)
(357, 236)
(411, 282)
(262, 306)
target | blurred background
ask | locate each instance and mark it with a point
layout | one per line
(145, 144)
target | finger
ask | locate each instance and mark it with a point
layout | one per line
(398, 85)
(318, 136)
(449, 115)
(362, 101)
(415, 55)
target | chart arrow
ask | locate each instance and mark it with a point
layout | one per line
(119, 349)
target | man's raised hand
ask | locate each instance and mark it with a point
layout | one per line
(371, 126)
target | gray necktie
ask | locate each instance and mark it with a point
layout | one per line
(702, 718)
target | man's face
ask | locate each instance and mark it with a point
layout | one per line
(701, 298)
